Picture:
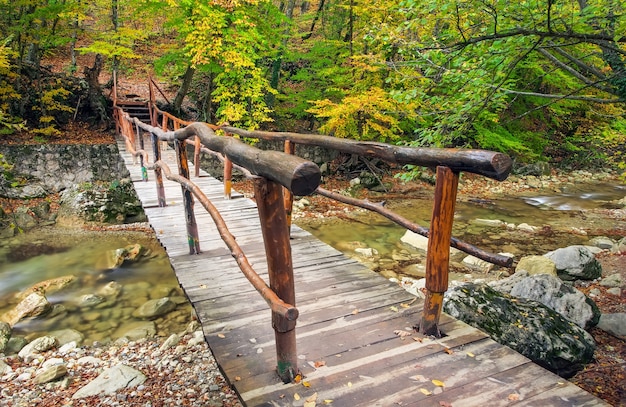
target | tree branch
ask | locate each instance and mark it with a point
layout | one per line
(572, 71)
(570, 96)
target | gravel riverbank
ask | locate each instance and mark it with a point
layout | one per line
(177, 371)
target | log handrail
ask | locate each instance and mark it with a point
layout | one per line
(483, 162)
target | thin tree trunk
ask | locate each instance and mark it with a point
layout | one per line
(317, 17)
(184, 89)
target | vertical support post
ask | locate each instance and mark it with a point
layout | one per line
(438, 256)
(290, 148)
(269, 199)
(228, 175)
(196, 156)
(158, 173)
(190, 218)
(144, 170)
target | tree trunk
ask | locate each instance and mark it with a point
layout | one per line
(97, 103)
(184, 88)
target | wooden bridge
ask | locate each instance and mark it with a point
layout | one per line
(357, 342)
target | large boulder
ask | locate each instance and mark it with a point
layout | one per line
(155, 308)
(552, 292)
(575, 263)
(526, 326)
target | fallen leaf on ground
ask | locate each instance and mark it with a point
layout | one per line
(319, 363)
(513, 396)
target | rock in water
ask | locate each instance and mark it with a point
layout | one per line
(155, 308)
(528, 327)
(33, 305)
(575, 263)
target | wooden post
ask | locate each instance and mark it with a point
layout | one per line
(196, 156)
(269, 200)
(190, 218)
(144, 170)
(438, 256)
(228, 174)
(290, 149)
(158, 173)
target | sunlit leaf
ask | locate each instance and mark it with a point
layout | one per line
(296, 396)
(438, 383)
(470, 354)
(426, 392)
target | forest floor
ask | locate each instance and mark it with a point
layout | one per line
(605, 376)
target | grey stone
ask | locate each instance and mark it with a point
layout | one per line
(90, 300)
(15, 344)
(614, 280)
(602, 242)
(41, 344)
(112, 289)
(5, 335)
(575, 263)
(136, 330)
(616, 291)
(65, 336)
(110, 381)
(51, 373)
(526, 326)
(560, 297)
(615, 324)
(154, 308)
(536, 265)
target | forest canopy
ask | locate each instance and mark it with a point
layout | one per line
(540, 80)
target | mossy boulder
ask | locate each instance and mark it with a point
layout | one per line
(526, 326)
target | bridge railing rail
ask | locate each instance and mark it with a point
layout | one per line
(278, 176)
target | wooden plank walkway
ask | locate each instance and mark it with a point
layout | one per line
(347, 349)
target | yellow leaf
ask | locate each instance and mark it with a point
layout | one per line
(221, 336)
(349, 384)
(355, 311)
(448, 351)
(312, 398)
(327, 401)
(296, 396)
(438, 383)
(202, 285)
(470, 354)
(403, 305)
(237, 378)
(425, 392)
(306, 384)
(394, 308)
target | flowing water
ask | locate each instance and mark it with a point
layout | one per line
(48, 254)
(560, 220)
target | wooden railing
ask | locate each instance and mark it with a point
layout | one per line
(278, 176)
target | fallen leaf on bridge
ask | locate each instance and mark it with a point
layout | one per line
(296, 396)
(401, 333)
(470, 354)
(438, 383)
(221, 336)
(319, 363)
(513, 396)
(448, 351)
(306, 384)
(445, 404)
(394, 308)
(310, 401)
(426, 392)
(328, 401)
(355, 311)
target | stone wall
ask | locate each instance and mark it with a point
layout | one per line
(52, 168)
